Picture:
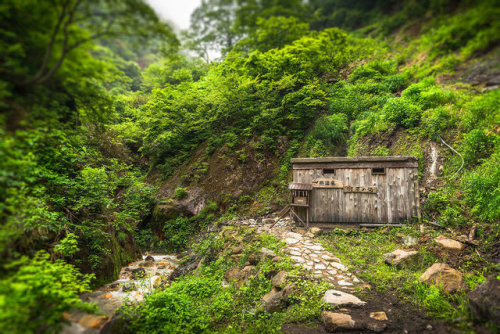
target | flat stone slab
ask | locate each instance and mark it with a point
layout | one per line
(291, 241)
(294, 235)
(314, 247)
(339, 266)
(449, 244)
(298, 259)
(340, 298)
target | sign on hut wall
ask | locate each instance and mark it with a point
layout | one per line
(362, 189)
(324, 182)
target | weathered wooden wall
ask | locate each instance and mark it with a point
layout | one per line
(396, 199)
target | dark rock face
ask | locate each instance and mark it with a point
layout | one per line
(485, 301)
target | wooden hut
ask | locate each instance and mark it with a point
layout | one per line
(375, 190)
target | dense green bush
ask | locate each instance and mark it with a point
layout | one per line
(402, 112)
(35, 296)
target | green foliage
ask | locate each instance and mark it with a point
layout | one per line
(35, 296)
(180, 193)
(68, 246)
(402, 112)
(362, 252)
(205, 302)
(482, 189)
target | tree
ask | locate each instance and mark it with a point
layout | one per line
(38, 36)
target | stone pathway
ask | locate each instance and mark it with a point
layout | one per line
(306, 252)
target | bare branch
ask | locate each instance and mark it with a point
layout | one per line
(48, 51)
(64, 51)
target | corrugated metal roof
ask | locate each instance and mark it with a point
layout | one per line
(355, 159)
(300, 186)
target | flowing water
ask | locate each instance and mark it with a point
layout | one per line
(134, 282)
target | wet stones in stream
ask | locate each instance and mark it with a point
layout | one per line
(135, 281)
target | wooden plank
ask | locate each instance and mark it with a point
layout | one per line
(340, 165)
(357, 199)
(355, 159)
(340, 196)
(388, 196)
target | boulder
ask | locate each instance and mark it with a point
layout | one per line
(267, 253)
(449, 244)
(237, 250)
(253, 259)
(337, 321)
(289, 290)
(443, 276)
(279, 279)
(93, 321)
(401, 257)
(126, 287)
(273, 301)
(149, 258)
(485, 301)
(138, 273)
(340, 298)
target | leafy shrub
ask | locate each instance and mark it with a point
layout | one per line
(35, 296)
(481, 111)
(435, 121)
(180, 193)
(403, 112)
(396, 82)
(68, 246)
(477, 144)
(482, 189)
(330, 129)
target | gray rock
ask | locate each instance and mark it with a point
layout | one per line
(138, 273)
(279, 279)
(288, 291)
(298, 259)
(314, 247)
(294, 235)
(267, 253)
(339, 266)
(485, 301)
(400, 257)
(340, 298)
(128, 287)
(273, 301)
(344, 283)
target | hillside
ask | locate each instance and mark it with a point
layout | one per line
(120, 139)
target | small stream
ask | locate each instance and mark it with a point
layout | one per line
(134, 282)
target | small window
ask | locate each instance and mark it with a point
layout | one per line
(378, 170)
(329, 171)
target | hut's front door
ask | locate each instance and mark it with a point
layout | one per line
(327, 196)
(327, 205)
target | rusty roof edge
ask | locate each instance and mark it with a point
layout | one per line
(354, 159)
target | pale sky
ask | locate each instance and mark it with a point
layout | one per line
(176, 11)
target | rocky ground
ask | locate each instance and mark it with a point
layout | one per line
(358, 308)
(135, 280)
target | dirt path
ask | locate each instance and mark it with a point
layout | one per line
(402, 317)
